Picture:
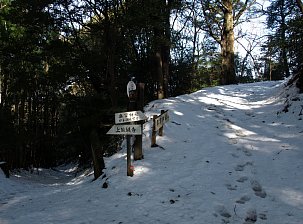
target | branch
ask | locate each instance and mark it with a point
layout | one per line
(209, 26)
(221, 5)
(251, 46)
(244, 8)
(187, 18)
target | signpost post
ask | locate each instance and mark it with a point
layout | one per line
(128, 130)
(138, 150)
(132, 105)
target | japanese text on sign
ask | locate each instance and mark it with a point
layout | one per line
(129, 117)
(125, 130)
(159, 121)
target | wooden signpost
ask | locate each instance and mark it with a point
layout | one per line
(158, 122)
(120, 128)
(130, 123)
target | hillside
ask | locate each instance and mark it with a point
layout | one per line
(229, 154)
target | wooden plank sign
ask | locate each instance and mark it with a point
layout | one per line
(125, 129)
(161, 120)
(130, 116)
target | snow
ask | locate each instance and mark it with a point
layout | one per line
(229, 154)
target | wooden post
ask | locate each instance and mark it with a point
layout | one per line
(140, 100)
(154, 133)
(158, 122)
(138, 151)
(161, 129)
(132, 105)
(130, 170)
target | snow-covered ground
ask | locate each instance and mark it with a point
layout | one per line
(229, 154)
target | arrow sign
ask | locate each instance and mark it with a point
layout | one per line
(125, 129)
(130, 116)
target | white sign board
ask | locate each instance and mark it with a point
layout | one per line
(130, 116)
(159, 121)
(131, 86)
(125, 129)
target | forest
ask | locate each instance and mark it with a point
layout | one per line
(65, 64)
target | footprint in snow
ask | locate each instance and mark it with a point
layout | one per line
(262, 216)
(240, 167)
(222, 211)
(251, 216)
(240, 133)
(257, 188)
(242, 179)
(233, 141)
(247, 152)
(231, 187)
(250, 114)
(235, 155)
(243, 199)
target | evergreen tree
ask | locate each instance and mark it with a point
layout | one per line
(221, 18)
(283, 46)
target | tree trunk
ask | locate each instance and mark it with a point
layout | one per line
(166, 47)
(165, 68)
(227, 45)
(284, 42)
(299, 83)
(162, 37)
(158, 66)
(300, 5)
(3, 88)
(110, 36)
(97, 154)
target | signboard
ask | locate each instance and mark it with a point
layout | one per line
(131, 86)
(159, 121)
(125, 129)
(130, 116)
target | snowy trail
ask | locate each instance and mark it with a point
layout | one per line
(259, 140)
(228, 155)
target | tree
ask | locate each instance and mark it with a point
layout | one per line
(159, 19)
(300, 69)
(284, 43)
(277, 15)
(221, 17)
